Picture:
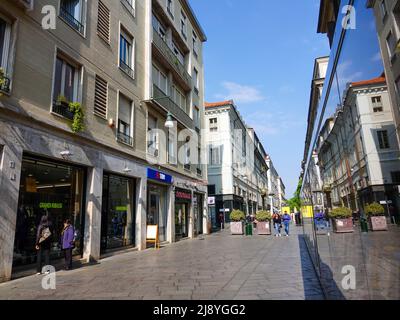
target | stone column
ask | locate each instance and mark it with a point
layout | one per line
(141, 213)
(92, 237)
(170, 215)
(10, 173)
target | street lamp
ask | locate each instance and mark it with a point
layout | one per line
(169, 123)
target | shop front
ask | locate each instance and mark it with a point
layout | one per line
(53, 189)
(183, 199)
(157, 195)
(118, 212)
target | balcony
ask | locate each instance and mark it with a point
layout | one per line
(62, 109)
(166, 52)
(71, 20)
(124, 138)
(170, 106)
(5, 86)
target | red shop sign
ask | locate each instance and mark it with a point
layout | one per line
(183, 195)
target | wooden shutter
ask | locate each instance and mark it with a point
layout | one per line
(103, 23)
(100, 97)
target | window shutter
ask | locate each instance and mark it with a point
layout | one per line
(100, 97)
(103, 23)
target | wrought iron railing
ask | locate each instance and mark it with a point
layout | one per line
(5, 86)
(62, 109)
(71, 20)
(126, 68)
(122, 137)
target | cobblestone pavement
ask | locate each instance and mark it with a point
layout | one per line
(221, 266)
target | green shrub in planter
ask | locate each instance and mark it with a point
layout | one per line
(237, 216)
(263, 216)
(340, 213)
(374, 210)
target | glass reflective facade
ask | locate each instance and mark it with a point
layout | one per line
(372, 256)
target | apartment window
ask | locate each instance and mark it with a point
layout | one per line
(71, 11)
(195, 44)
(172, 147)
(159, 28)
(183, 25)
(103, 22)
(179, 98)
(396, 13)
(170, 8)
(396, 177)
(391, 44)
(196, 80)
(383, 139)
(100, 97)
(244, 151)
(383, 9)
(152, 136)
(130, 5)
(5, 39)
(126, 52)
(125, 120)
(178, 53)
(377, 104)
(160, 80)
(65, 86)
(196, 117)
(214, 125)
(215, 156)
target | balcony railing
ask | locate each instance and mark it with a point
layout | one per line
(71, 20)
(122, 137)
(62, 109)
(126, 68)
(165, 101)
(5, 87)
(172, 59)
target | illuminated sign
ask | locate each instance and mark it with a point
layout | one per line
(121, 208)
(159, 176)
(50, 205)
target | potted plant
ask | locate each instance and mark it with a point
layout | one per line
(237, 222)
(78, 120)
(62, 101)
(2, 80)
(263, 220)
(342, 220)
(376, 217)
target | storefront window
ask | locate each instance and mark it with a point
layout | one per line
(182, 206)
(52, 189)
(118, 223)
(157, 211)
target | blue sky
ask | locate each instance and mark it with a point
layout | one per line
(261, 54)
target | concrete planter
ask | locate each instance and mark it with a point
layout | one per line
(237, 228)
(343, 225)
(378, 223)
(264, 228)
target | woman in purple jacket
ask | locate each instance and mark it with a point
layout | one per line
(67, 243)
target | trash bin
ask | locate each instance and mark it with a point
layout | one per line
(249, 229)
(364, 225)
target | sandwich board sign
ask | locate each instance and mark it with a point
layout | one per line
(152, 235)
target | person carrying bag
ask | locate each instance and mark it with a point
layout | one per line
(43, 243)
(68, 243)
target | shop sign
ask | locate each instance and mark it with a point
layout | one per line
(211, 201)
(159, 176)
(49, 205)
(121, 209)
(183, 195)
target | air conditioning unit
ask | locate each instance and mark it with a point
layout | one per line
(26, 4)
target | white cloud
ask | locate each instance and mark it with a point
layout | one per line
(377, 57)
(241, 94)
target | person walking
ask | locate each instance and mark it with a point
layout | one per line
(286, 222)
(67, 243)
(276, 218)
(43, 243)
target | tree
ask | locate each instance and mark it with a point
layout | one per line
(295, 202)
